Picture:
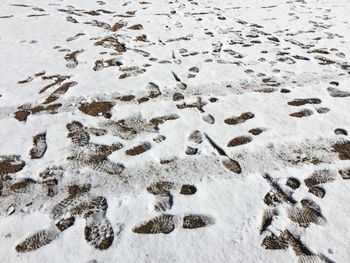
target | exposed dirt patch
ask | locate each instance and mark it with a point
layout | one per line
(21, 185)
(100, 235)
(239, 141)
(65, 223)
(126, 98)
(57, 80)
(49, 108)
(196, 221)
(302, 113)
(97, 159)
(240, 119)
(153, 90)
(178, 96)
(342, 148)
(111, 42)
(160, 120)
(139, 149)
(39, 146)
(232, 165)
(35, 241)
(345, 173)
(117, 26)
(293, 183)
(274, 242)
(71, 58)
(306, 215)
(27, 80)
(136, 27)
(317, 191)
(162, 224)
(298, 247)
(101, 63)
(256, 131)
(10, 164)
(75, 190)
(301, 102)
(191, 150)
(271, 82)
(160, 188)
(319, 177)
(131, 72)
(324, 61)
(198, 105)
(60, 91)
(78, 134)
(285, 91)
(276, 195)
(22, 115)
(51, 186)
(97, 108)
(266, 220)
(187, 189)
(322, 110)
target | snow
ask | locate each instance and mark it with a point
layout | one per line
(244, 54)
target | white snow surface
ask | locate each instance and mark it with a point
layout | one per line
(226, 58)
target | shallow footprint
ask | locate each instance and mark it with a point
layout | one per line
(208, 118)
(345, 173)
(196, 221)
(39, 146)
(256, 131)
(36, 241)
(44, 237)
(192, 72)
(274, 242)
(139, 149)
(99, 234)
(232, 165)
(160, 188)
(302, 102)
(239, 141)
(188, 189)
(163, 224)
(239, 119)
(302, 113)
(307, 214)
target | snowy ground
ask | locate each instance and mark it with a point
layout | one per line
(174, 131)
